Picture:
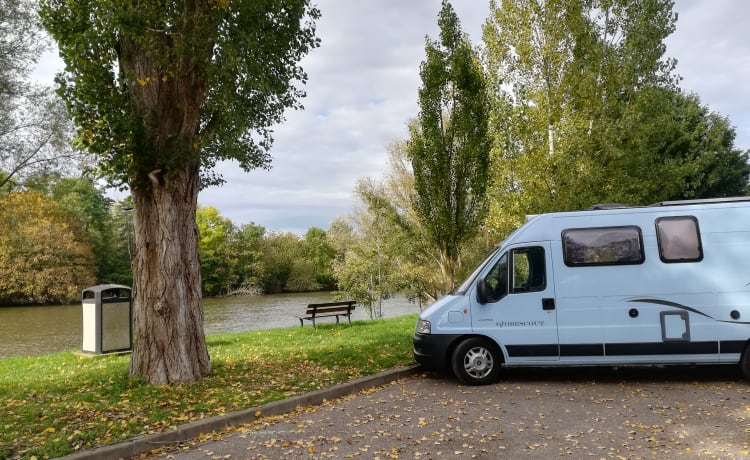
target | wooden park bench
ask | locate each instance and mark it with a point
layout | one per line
(320, 310)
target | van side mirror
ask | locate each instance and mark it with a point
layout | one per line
(482, 291)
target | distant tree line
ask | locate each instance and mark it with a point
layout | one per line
(59, 235)
(246, 259)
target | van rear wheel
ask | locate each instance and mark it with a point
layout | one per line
(476, 361)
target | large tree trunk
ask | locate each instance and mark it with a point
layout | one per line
(169, 344)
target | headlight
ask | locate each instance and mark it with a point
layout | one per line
(423, 327)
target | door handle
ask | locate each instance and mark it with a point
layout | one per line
(548, 304)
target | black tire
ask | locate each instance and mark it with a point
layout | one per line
(476, 361)
(745, 362)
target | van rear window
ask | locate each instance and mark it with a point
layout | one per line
(603, 246)
(679, 239)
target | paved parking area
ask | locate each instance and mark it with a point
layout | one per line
(701, 412)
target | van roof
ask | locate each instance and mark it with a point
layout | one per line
(608, 206)
(544, 227)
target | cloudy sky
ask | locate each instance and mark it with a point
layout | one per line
(362, 91)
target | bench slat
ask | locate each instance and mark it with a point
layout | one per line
(318, 311)
(331, 304)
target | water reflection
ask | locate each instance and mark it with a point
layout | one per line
(39, 330)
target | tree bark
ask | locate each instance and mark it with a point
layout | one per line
(169, 343)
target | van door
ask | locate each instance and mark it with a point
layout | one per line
(519, 310)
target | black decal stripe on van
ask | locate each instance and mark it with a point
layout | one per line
(732, 346)
(661, 348)
(624, 349)
(667, 303)
(518, 351)
(582, 349)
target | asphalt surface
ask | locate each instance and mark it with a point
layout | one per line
(688, 412)
(628, 413)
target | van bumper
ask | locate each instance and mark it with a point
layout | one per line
(431, 350)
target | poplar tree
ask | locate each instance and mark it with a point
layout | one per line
(161, 92)
(449, 144)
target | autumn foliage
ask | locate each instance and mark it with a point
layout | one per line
(43, 254)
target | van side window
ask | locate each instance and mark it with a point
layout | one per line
(679, 239)
(529, 270)
(497, 280)
(527, 273)
(603, 246)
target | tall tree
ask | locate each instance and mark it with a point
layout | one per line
(529, 47)
(449, 146)
(568, 135)
(160, 92)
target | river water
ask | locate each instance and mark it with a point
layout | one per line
(46, 329)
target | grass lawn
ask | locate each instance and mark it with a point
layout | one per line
(57, 404)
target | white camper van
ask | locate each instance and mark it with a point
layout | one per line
(663, 284)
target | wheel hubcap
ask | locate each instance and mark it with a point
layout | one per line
(478, 362)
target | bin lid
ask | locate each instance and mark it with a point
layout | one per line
(90, 293)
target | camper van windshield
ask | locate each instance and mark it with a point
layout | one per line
(467, 283)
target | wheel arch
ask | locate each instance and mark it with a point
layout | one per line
(452, 347)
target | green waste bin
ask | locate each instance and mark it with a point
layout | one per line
(107, 319)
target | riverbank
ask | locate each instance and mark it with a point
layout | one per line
(61, 403)
(27, 331)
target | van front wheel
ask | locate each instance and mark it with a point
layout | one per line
(476, 361)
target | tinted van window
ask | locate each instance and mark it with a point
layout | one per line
(603, 246)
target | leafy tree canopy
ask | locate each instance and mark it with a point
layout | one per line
(44, 256)
(239, 59)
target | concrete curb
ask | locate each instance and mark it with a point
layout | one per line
(142, 444)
